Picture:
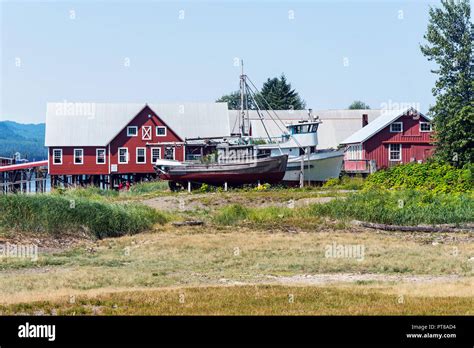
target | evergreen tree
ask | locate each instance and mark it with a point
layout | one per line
(358, 105)
(450, 47)
(277, 92)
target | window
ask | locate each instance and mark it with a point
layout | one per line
(123, 155)
(78, 156)
(354, 152)
(100, 156)
(141, 155)
(57, 156)
(169, 153)
(132, 131)
(395, 152)
(160, 131)
(425, 127)
(146, 133)
(155, 154)
(396, 127)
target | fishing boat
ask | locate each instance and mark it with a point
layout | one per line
(224, 172)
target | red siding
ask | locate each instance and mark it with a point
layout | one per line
(416, 145)
(122, 140)
(89, 166)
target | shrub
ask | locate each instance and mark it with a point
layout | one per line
(345, 183)
(436, 177)
(231, 214)
(58, 214)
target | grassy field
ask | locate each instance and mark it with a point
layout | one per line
(249, 300)
(255, 251)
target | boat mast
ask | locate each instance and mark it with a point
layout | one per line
(243, 131)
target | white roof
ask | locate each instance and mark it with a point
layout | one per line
(336, 125)
(97, 124)
(378, 124)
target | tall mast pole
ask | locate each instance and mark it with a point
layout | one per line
(242, 96)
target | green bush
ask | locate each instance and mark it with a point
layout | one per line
(231, 214)
(58, 214)
(405, 207)
(436, 177)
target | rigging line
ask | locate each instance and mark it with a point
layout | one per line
(258, 113)
(268, 105)
(294, 139)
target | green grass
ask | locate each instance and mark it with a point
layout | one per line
(407, 207)
(345, 183)
(55, 214)
(380, 206)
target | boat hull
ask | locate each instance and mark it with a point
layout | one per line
(321, 166)
(267, 170)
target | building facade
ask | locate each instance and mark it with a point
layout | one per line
(397, 136)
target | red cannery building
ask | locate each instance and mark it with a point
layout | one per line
(106, 144)
(397, 136)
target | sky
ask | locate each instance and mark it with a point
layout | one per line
(332, 52)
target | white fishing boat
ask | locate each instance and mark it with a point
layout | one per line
(305, 161)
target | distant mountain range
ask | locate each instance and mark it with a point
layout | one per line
(27, 139)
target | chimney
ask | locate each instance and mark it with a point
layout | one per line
(365, 120)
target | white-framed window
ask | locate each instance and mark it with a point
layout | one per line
(123, 155)
(132, 131)
(57, 156)
(169, 153)
(354, 152)
(155, 154)
(141, 155)
(100, 156)
(78, 156)
(425, 127)
(146, 133)
(396, 127)
(395, 152)
(161, 131)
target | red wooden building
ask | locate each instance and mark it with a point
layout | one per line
(397, 136)
(111, 143)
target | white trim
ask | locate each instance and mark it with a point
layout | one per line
(74, 156)
(151, 153)
(126, 155)
(61, 157)
(133, 135)
(97, 156)
(401, 127)
(144, 155)
(161, 135)
(390, 151)
(109, 161)
(149, 132)
(425, 131)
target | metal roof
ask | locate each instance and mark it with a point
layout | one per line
(27, 165)
(336, 125)
(378, 124)
(97, 124)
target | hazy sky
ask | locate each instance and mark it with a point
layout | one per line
(142, 51)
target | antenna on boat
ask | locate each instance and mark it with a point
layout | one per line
(243, 103)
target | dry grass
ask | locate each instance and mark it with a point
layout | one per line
(248, 300)
(203, 256)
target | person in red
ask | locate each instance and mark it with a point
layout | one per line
(128, 185)
(120, 187)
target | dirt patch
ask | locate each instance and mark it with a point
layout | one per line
(47, 243)
(186, 202)
(308, 279)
